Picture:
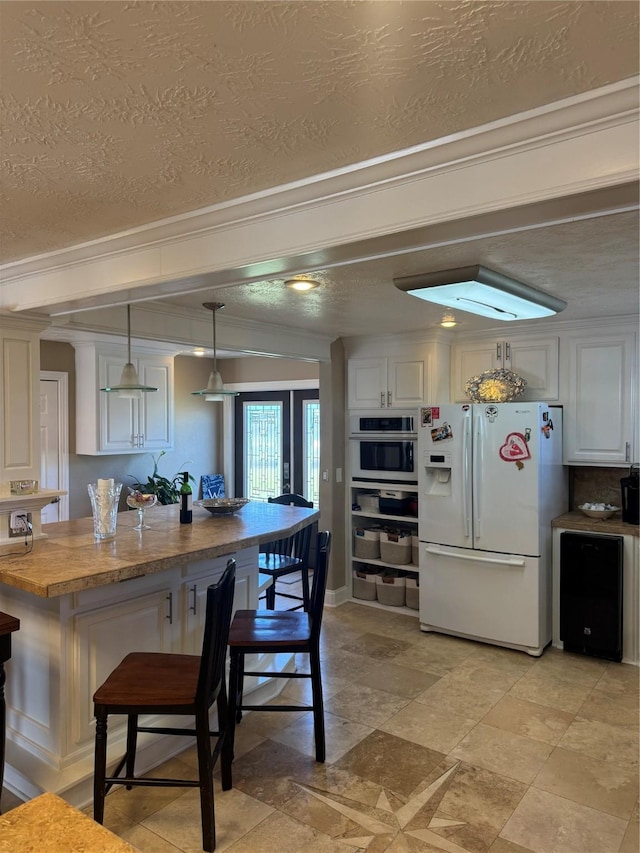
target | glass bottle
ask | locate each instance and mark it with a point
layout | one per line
(186, 495)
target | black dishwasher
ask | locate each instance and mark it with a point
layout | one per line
(591, 594)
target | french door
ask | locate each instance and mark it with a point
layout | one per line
(277, 444)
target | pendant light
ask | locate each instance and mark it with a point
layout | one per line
(215, 391)
(482, 291)
(130, 387)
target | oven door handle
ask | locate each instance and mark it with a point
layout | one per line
(383, 436)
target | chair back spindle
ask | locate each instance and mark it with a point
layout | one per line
(216, 635)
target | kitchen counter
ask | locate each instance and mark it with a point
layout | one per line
(47, 823)
(83, 605)
(70, 559)
(613, 526)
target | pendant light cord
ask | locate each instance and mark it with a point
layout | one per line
(215, 360)
(129, 334)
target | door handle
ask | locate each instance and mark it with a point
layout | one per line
(382, 399)
(389, 399)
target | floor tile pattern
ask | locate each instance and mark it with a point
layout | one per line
(433, 744)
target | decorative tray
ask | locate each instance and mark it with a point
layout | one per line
(495, 386)
(222, 506)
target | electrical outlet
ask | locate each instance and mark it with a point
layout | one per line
(19, 522)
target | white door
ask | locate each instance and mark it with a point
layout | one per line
(506, 446)
(444, 475)
(54, 470)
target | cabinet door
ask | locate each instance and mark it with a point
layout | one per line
(118, 423)
(367, 383)
(406, 382)
(598, 420)
(470, 359)
(104, 636)
(156, 407)
(536, 360)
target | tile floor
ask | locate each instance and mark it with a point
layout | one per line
(433, 744)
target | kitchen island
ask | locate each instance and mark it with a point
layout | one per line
(83, 605)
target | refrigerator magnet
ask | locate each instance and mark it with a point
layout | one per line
(426, 416)
(515, 449)
(442, 433)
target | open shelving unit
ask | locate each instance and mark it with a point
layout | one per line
(360, 517)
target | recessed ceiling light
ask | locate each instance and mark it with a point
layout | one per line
(448, 321)
(302, 284)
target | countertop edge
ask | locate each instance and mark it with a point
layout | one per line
(614, 526)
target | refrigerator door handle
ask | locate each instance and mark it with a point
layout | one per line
(477, 468)
(508, 561)
(466, 476)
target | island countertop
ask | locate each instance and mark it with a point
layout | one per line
(70, 560)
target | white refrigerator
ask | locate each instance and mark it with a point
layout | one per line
(491, 480)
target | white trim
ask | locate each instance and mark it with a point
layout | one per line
(573, 146)
(336, 597)
(274, 385)
(62, 381)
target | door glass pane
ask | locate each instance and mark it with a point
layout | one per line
(263, 450)
(311, 450)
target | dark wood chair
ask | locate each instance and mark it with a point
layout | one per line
(183, 685)
(275, 631)
(286, 556)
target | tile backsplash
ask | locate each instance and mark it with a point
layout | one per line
(595, 484)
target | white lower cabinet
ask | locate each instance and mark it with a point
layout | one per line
(103, 635)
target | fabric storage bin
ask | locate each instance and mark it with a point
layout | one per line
(391, 588)
(412, 591)
(415, 550)
(366, 543)
(395, 547)
(369, 502)
(364, 583)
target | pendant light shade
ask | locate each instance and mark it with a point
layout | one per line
(215, 391)
(130, 387)
(479, 290)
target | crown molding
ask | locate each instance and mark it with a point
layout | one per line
(538, 156)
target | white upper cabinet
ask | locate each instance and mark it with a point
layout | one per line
(533, 358)
(109, 424)
(386, 383)
(600, 416)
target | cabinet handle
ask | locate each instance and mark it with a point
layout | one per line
(169, 615)
(507, 352)
(141, 440)
(134, 441)
(499, 352)
(194, 599)
(389, 399)
(382, 399)
(627, 451)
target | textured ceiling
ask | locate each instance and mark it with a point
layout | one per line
(115, 114)
(592, 264)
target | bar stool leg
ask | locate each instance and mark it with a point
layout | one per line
(100, 769)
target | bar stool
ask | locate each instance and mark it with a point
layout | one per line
(183, 685)
(275, 631)
(286, 556)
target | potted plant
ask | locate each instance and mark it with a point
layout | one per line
(166, 490)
